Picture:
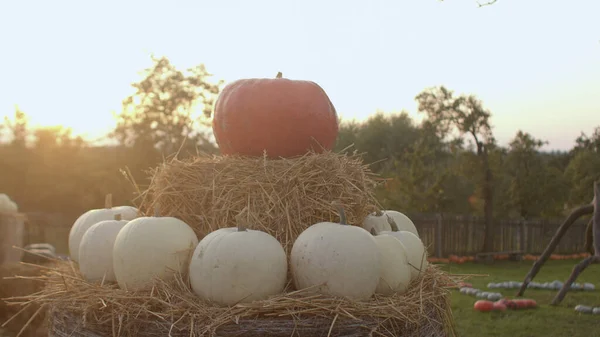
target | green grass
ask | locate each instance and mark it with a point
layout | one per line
(546, 320)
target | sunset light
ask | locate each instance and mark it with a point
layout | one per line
(78, 68)
(300, 168)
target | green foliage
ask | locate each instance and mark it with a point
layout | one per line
(18, 128)
(581, 173)
(159, 115)
(460, 116)
(589, 143)
(383, 139)
(530, 181)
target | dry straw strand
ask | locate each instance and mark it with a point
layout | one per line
(171, 307)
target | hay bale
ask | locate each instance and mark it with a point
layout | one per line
(81, 309)
(283, 196)
(12, 233)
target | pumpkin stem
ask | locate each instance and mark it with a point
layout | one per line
(378, 212)
(108, 201)
(279, 75)
(337, 204)
(373, 232)
(118, 217)
(392, 223)
(240, 222)
(157, 210)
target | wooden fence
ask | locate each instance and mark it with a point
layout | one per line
(443, 235)
(463, 235)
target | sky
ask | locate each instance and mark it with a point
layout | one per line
(535, 64)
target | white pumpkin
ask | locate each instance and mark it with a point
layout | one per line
(4, 200)
(152, 247)
(385, 220)
(415, 251)
(236, 265)
(395, 273)
(96, 250)
(7, 205)
(92, 217)
(12, 207)
(336, 259)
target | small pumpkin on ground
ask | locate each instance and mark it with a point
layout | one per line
(283, 117)
(92, 217)
(236, 265)
(336, 259)
(149, 247)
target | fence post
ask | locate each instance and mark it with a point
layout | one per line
(523, 228)
(438, 236)
(470, 232)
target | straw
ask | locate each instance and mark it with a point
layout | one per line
(283, 197)
(171, 308)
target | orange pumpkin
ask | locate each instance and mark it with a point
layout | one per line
(484, 305)
(283, 117)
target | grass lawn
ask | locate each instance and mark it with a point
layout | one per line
(546, 320)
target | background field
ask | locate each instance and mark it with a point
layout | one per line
(547, 321)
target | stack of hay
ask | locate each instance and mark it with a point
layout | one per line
(283, 196)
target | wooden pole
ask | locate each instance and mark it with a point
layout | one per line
(581, 266)
(438, 236)
(560, 232)
(523, 227)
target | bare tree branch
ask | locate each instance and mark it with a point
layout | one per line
(491, 2)
(560, 232)
(595, 258)
(479, 4)
(577, 270)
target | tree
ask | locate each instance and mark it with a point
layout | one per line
(18, 128)
(59, 183)
(465, 115)
(590, 143)
(16, 159)
(159, 115)
(385, 139)
(582, 171)
(583, 168)
(534, 188)
(53, 137)
(428, 178)
(347, 136)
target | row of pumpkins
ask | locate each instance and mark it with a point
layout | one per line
(239, 264)
(7, 205)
